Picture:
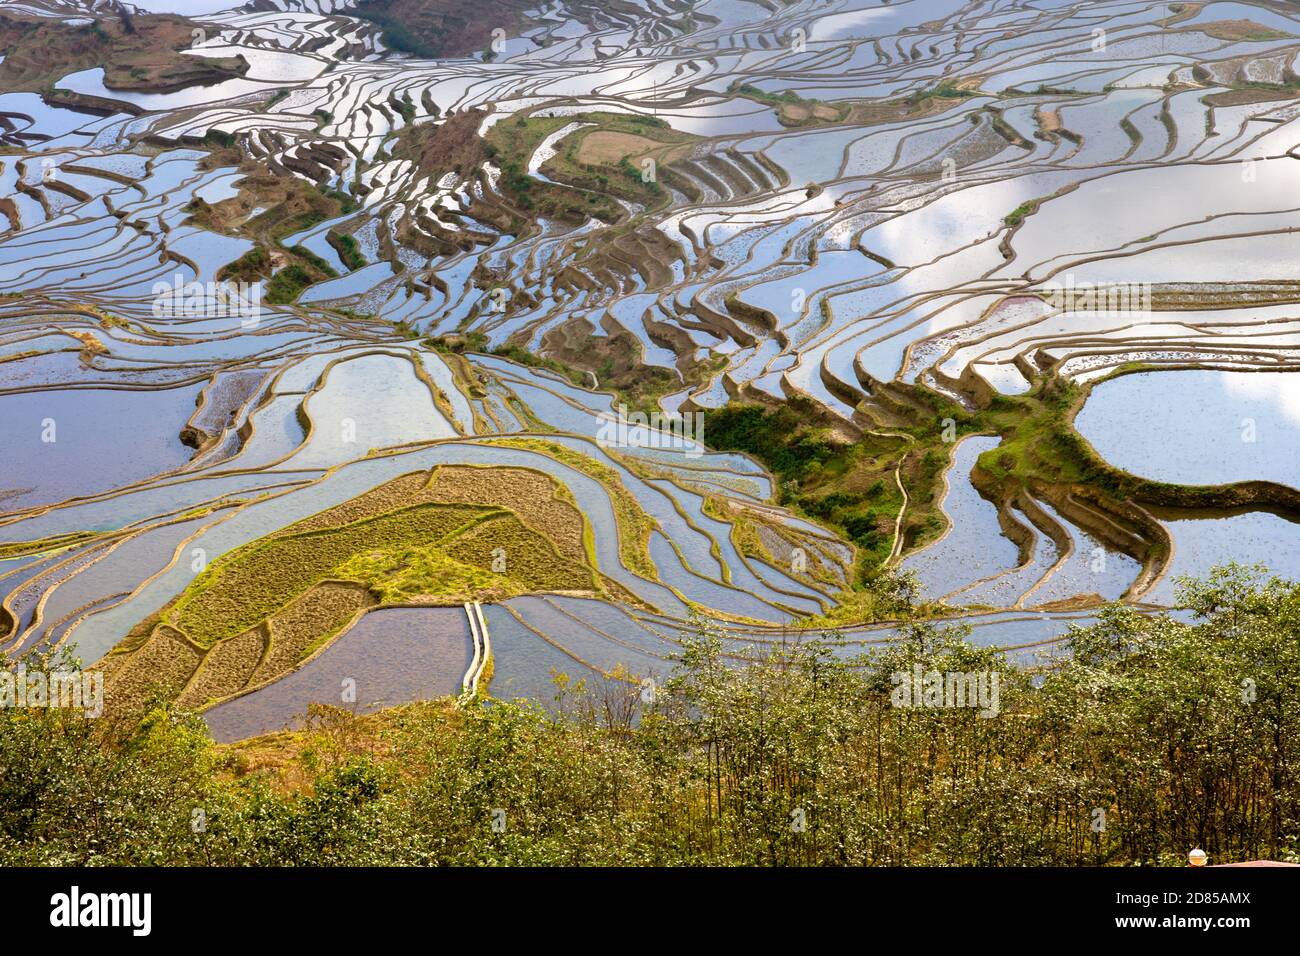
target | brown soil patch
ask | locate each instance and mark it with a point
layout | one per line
(139, 52)
(161, 666)
(1179, 12)
(225, 669)
(607, 147)
(1049, 120)
(1239, 30)
(313, 617)
(1249, 96)
(532, 559)
(289, 204)
(615, 358)
(528, 494)
(440, 28)
(1080, 602)
(796, 114)
(451, 146)
(865, 114)
(401, 492)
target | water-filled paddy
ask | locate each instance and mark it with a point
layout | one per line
(390, 656)
(974, 546)
(1204, 541)
(78, 442)
(1198, 426)
(959, 157)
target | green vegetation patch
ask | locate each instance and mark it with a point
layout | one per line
(474, 341)
(1021, 212)
(945, 90)
(400, 545)
(259, 579)
(1144, 713)
(464, 567)
(526, 555)
(585, 188)
(348, 249)
(1040, 446)
(251, 266)
(319, 264)
(846, 485)
(286, 284)
(850, 485)
(793, 109)
(634, 525)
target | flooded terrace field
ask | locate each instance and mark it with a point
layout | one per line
(300, 362)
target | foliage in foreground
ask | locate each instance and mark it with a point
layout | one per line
(1152, 737)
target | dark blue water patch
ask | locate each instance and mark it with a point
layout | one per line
(524, 664)
(606, 651)
(394, 656)
(77, 442)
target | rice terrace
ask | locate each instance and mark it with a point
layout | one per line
(650, 432)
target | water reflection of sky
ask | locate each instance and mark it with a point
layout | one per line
(1249, 538)
(1198, 426)
(875, 19)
